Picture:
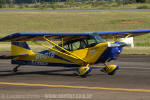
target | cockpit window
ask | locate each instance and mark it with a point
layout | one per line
(83, 44)
(66, 47)
(80, 44)
(97, 38)
(90, 41)
(76, 45)
(94, 39)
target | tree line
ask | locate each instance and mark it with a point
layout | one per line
(38, 1)
(63, 3)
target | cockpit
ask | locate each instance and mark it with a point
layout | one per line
(82, 43)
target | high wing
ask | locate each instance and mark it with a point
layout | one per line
(56, 36)
(122, 34)
(35, 36)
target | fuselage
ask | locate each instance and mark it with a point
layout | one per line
(90, 50)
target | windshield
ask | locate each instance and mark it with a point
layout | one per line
(97, 38)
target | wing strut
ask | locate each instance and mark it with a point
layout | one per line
(44, 37)
(126, 37)
(67, 53)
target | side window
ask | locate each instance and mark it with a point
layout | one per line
(91, 42)
(80, 44)
(83, 44)
(66, 47)
(76, 45)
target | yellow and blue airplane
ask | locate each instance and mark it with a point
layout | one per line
(73, 49)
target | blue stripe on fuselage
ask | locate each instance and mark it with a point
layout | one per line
(37, 63)
(55, 56)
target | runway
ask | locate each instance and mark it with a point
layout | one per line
(131, 82)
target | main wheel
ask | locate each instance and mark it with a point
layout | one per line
(83, 71)
(110, 69)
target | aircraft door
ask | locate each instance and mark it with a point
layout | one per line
(95, 49)
(79, 48)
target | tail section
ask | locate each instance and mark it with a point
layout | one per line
(20, 48)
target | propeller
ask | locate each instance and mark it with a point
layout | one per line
(117, 44)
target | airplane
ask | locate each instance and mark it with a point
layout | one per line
(79, 50)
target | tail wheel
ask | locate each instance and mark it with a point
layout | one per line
(16, 68)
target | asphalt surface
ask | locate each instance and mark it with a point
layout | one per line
(71, 10)
(131, 82)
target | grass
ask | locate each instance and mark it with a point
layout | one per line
(12, 22)
(136, 50)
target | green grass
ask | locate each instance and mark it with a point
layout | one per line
(12, 22)
(136, 50)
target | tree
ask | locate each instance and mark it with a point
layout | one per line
(2, 3)
(11, 1)
(70, 0)
(140, 1)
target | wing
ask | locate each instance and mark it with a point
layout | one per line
(51, 36)
(66, 36)
(35, 36)
(120, 34)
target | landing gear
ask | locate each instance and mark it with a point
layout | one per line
(16, 68)
(110, 69)
(83, 71)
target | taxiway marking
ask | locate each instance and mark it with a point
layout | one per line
(77, 87)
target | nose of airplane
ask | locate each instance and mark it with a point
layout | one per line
(112, 52)
(117, 44)
(115, 49)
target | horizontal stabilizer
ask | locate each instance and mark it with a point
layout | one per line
(10, 56)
